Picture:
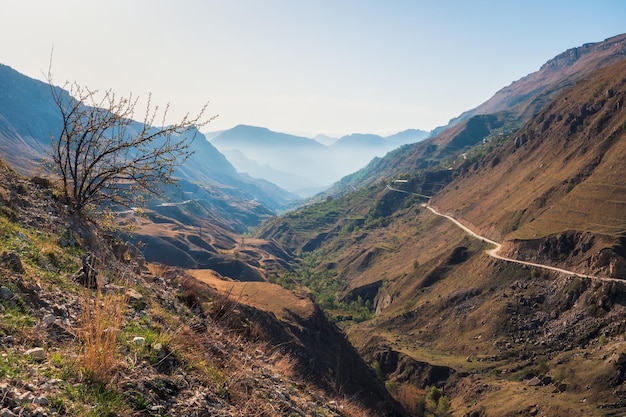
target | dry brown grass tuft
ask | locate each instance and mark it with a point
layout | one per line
(352, 408)
(101, 320)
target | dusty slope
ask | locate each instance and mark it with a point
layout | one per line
(555, 189)
(503, 114)
(525, 95)
(181, 348)
(504, 339)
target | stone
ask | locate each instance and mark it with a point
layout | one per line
(5, 412)
(59, 310)
(6, 293)
(25, 397)
(535, 382)
(158, 347)
(48, 319)
(133, 294)
(41, 400)
(114, 289)
(138, 340)
(12, 260)
(37, 354)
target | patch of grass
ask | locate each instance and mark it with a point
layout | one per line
(16, 318)
(13, 365)
(101, 321)
(93, 399)
(152, 335)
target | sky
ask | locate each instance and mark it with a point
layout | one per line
(330, 67)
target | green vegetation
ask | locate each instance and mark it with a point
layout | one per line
(92, 400)
(325, 288)
(434, 403)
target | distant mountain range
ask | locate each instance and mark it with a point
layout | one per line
(302, 165)
(28, 118)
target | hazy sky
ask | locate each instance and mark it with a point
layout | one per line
(307, 67)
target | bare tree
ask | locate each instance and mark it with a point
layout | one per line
(102, 155)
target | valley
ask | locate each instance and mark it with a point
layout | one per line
(476, 270)
(509, 283)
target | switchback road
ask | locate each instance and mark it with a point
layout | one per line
(497, 246)
(494, 252)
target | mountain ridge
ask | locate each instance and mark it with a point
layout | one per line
(548, 184)
(29, 116)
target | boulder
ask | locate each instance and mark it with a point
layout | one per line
(12, 260)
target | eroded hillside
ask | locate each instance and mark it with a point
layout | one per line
(502, 338)
(151, 339)
(554, 191)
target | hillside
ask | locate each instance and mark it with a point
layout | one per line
(152, 339)
(28, 118)
(506, 112)
(504, 339)
(557, 184)
(527, 95)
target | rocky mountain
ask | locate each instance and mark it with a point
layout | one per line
(302, 165)
(528, 94)
(507, 334)
(504, 113)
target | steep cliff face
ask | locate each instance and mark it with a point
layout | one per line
(554, 75)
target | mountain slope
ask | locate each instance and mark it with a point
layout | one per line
(557, 73)
(504, 338)
(180, 347)
(28, 118)
(558, 181)
(499, 116)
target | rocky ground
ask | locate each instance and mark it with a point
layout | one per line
(178, 349)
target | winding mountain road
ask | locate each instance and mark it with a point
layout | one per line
(497, 246)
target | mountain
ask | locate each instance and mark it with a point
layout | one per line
(504, 113)
(199, 329)
(298, 184)
(507, 334)
(325, 139)
(280, 152)
(407, 136)
(28, 116)
(527, 95)
(359, 140)
(557, 181)
(302, 165)
(186, 342)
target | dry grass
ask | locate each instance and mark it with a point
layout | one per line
(409, 396)
(262, 295)
(101, 320)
